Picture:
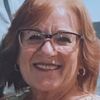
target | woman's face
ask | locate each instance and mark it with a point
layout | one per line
(47, 68)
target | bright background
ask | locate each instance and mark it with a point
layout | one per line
(93, 7)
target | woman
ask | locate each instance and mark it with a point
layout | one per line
(51, 47)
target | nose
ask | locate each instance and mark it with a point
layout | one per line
(48, 49)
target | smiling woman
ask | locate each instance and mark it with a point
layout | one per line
(52, 50)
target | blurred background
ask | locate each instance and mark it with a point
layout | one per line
(93, 7)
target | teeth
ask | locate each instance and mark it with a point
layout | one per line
(46, 67)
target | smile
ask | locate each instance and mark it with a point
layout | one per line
(46, 66)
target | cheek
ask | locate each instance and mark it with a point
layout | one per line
(25, 56)
(71, 63)
(69, 56)
(64, 50)
(24, 61)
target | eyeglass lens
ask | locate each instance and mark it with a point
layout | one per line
(32, 38)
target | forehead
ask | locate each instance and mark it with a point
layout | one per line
(61, 17)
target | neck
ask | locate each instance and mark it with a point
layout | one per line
(37, 95)
(65, 92)
(40, 95)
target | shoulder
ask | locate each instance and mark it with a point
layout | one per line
(88, 97)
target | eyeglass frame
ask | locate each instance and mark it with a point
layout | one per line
(45, 35)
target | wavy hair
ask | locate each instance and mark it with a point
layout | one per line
(29, 15)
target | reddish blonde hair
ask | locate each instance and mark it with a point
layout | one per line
(32, 13)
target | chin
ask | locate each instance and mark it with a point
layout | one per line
(47, 86)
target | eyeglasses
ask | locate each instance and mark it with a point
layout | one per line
(32, 38)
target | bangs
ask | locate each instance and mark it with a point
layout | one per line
(32, 13)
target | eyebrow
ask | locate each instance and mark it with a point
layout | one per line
(48, 33)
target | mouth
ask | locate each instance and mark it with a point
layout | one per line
(47, 66)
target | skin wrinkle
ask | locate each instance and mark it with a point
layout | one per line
(53, 27)
(50, 17)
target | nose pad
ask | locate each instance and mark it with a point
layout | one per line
(49, 49)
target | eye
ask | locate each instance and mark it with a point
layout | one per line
(63, 38)
(33, 37)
